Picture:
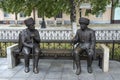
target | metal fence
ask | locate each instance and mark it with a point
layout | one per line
(109, 37)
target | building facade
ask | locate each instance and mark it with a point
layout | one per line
(7, 18)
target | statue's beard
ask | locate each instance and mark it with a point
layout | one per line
(83, 29)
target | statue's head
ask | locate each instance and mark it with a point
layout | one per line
(30, 23)
(83, 23)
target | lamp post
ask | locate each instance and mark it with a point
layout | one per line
(43, 25)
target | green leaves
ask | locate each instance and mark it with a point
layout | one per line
(50, 8)
(99, 6)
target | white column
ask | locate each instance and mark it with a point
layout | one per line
(74, 28)
(105, 63)
(10, 57)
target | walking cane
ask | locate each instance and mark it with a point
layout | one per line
(73, 57)
(74, 46)
(33, 51)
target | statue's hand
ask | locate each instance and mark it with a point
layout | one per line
(31, 45)
(73, 41)
(32, 35)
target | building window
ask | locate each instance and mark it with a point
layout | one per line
(22, 15)
(6, 14)
(80, 11)
(59, 15)
(99, 15)
(39, 15)
(88, 11)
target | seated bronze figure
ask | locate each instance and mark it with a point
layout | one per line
(85, 43)
(29, 40)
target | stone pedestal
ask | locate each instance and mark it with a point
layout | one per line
(10, 57)
(105, 63)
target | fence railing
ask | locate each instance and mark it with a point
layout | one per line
(109, 37)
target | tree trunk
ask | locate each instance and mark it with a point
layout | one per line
(34, 14)
(77, 14)
(73, 11)
(111, 17)
(73, 17)
(16, 19)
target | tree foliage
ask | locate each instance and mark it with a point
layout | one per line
(50, 8)
(99, 6)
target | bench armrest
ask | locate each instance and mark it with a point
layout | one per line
(105, 61)
(14, 46)
(10, 57)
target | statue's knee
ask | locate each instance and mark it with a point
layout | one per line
(26, 54)
(76, 52)
(26, 51)
(90, 55)
(37, 50)
(37, 53)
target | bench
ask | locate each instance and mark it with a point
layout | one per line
(60, 49)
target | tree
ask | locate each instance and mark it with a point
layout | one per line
(50, 8)
(12, 6)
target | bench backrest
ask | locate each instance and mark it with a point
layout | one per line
(11, 35)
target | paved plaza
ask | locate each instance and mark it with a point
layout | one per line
(58, 70)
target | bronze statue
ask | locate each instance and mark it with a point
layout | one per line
(29, 40)
(85, 43)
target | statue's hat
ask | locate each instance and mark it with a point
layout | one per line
(29, 21)
(84, 20)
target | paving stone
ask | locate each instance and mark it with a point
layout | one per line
(4, 79)
(69, 75)
(115, 76)
(103, 76)
(40, 75)
(2, 60)
(58, 70)
(7, 73)
(70, 78)
(53, 79)
(58, 67)
(53, 75)
(3, 67)
(22, 74)
(19, 78)
(114, 67)
(35, 78)
(86, 76)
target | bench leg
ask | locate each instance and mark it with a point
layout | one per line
(100, 61)
(10, 58)
(17, 60)
(105, 61)
(105, 65)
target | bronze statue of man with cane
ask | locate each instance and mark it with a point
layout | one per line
(29, 40)
(85, 43)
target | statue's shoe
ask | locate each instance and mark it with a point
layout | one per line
(27, 69)
(89, 69)
(78, 71)
(35, 70)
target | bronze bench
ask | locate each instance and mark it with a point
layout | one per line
(57, 49)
